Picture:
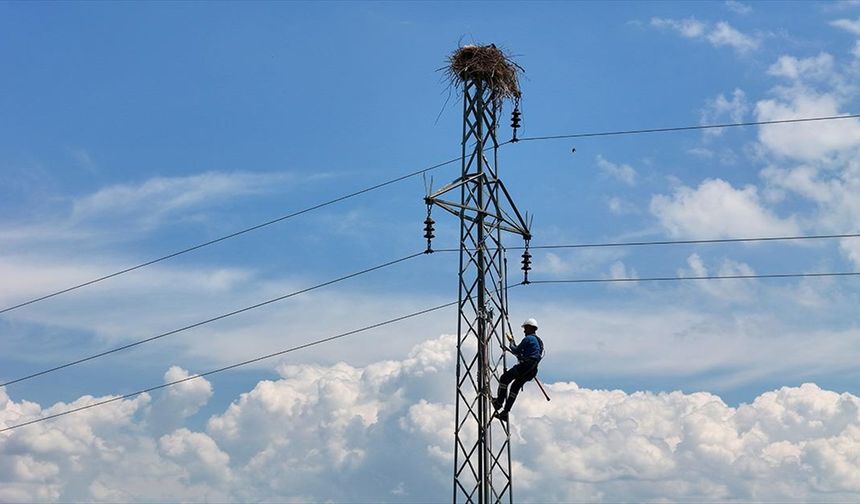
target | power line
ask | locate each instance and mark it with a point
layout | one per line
(675, 242)
(398, 319)
(231, 235)
(398, 179)
(581, 245)
(404, 317)
(207, 321)
(231, 366)
(687, 128)
(692, 242)
(710, 277)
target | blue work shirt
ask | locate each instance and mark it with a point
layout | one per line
(529, 348)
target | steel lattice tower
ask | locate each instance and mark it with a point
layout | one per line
(482, 456)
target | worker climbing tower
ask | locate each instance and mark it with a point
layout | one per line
(482, 458)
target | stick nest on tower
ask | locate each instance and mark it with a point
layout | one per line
(488, 64)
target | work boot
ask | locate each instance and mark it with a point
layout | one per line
(498, 403)
(502, 415)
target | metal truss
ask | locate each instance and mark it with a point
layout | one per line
(482, 455)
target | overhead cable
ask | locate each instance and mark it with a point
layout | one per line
(404, 177)
(231, 235)
(209, 320)
(707, 277)
(691, 242)
(687, 128)
(675, 242)
(231, 366)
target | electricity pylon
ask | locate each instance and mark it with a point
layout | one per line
(482, 455)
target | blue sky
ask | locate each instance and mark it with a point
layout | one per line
(131, 130)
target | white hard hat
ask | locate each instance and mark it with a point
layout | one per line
(530, 322)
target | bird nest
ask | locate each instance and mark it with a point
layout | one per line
(487, 64)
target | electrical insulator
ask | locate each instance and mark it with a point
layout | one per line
(527, 264)
(515, 122)
(428, 231)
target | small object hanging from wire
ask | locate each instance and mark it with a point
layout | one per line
(428, 230)
(527, 263)
(515, 121)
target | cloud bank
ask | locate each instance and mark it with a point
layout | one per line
(383, 433)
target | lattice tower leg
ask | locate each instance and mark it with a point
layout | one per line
(482, 462)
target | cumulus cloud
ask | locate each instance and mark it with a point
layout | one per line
(832, 190)
(198, 455)
(717, 209)
(719, 108)
(383, 433)
(819, 67)
(724, 35)
(622, 172)
(179, 401)
(813, 162)
(720, 34)
(689, 446)
(805, 141)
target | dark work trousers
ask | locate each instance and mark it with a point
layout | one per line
(521, 373)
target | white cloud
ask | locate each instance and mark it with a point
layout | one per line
(201, 292)
(718, 108)
(721, 34)
(716, 209)
(730, 290)
(28, 277)
(813, 162)
(620, 206)
(833, 190)
(738, 7)
(383, 433)
(819, 67)
(150, 201)
(701, 152)
(849, 25)
(806, 141)
(724, 35)
(198, 455)
(179, 401)
(689, 27)
(621, 172)
(581, 261)
(618, 270)
(735, 108)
